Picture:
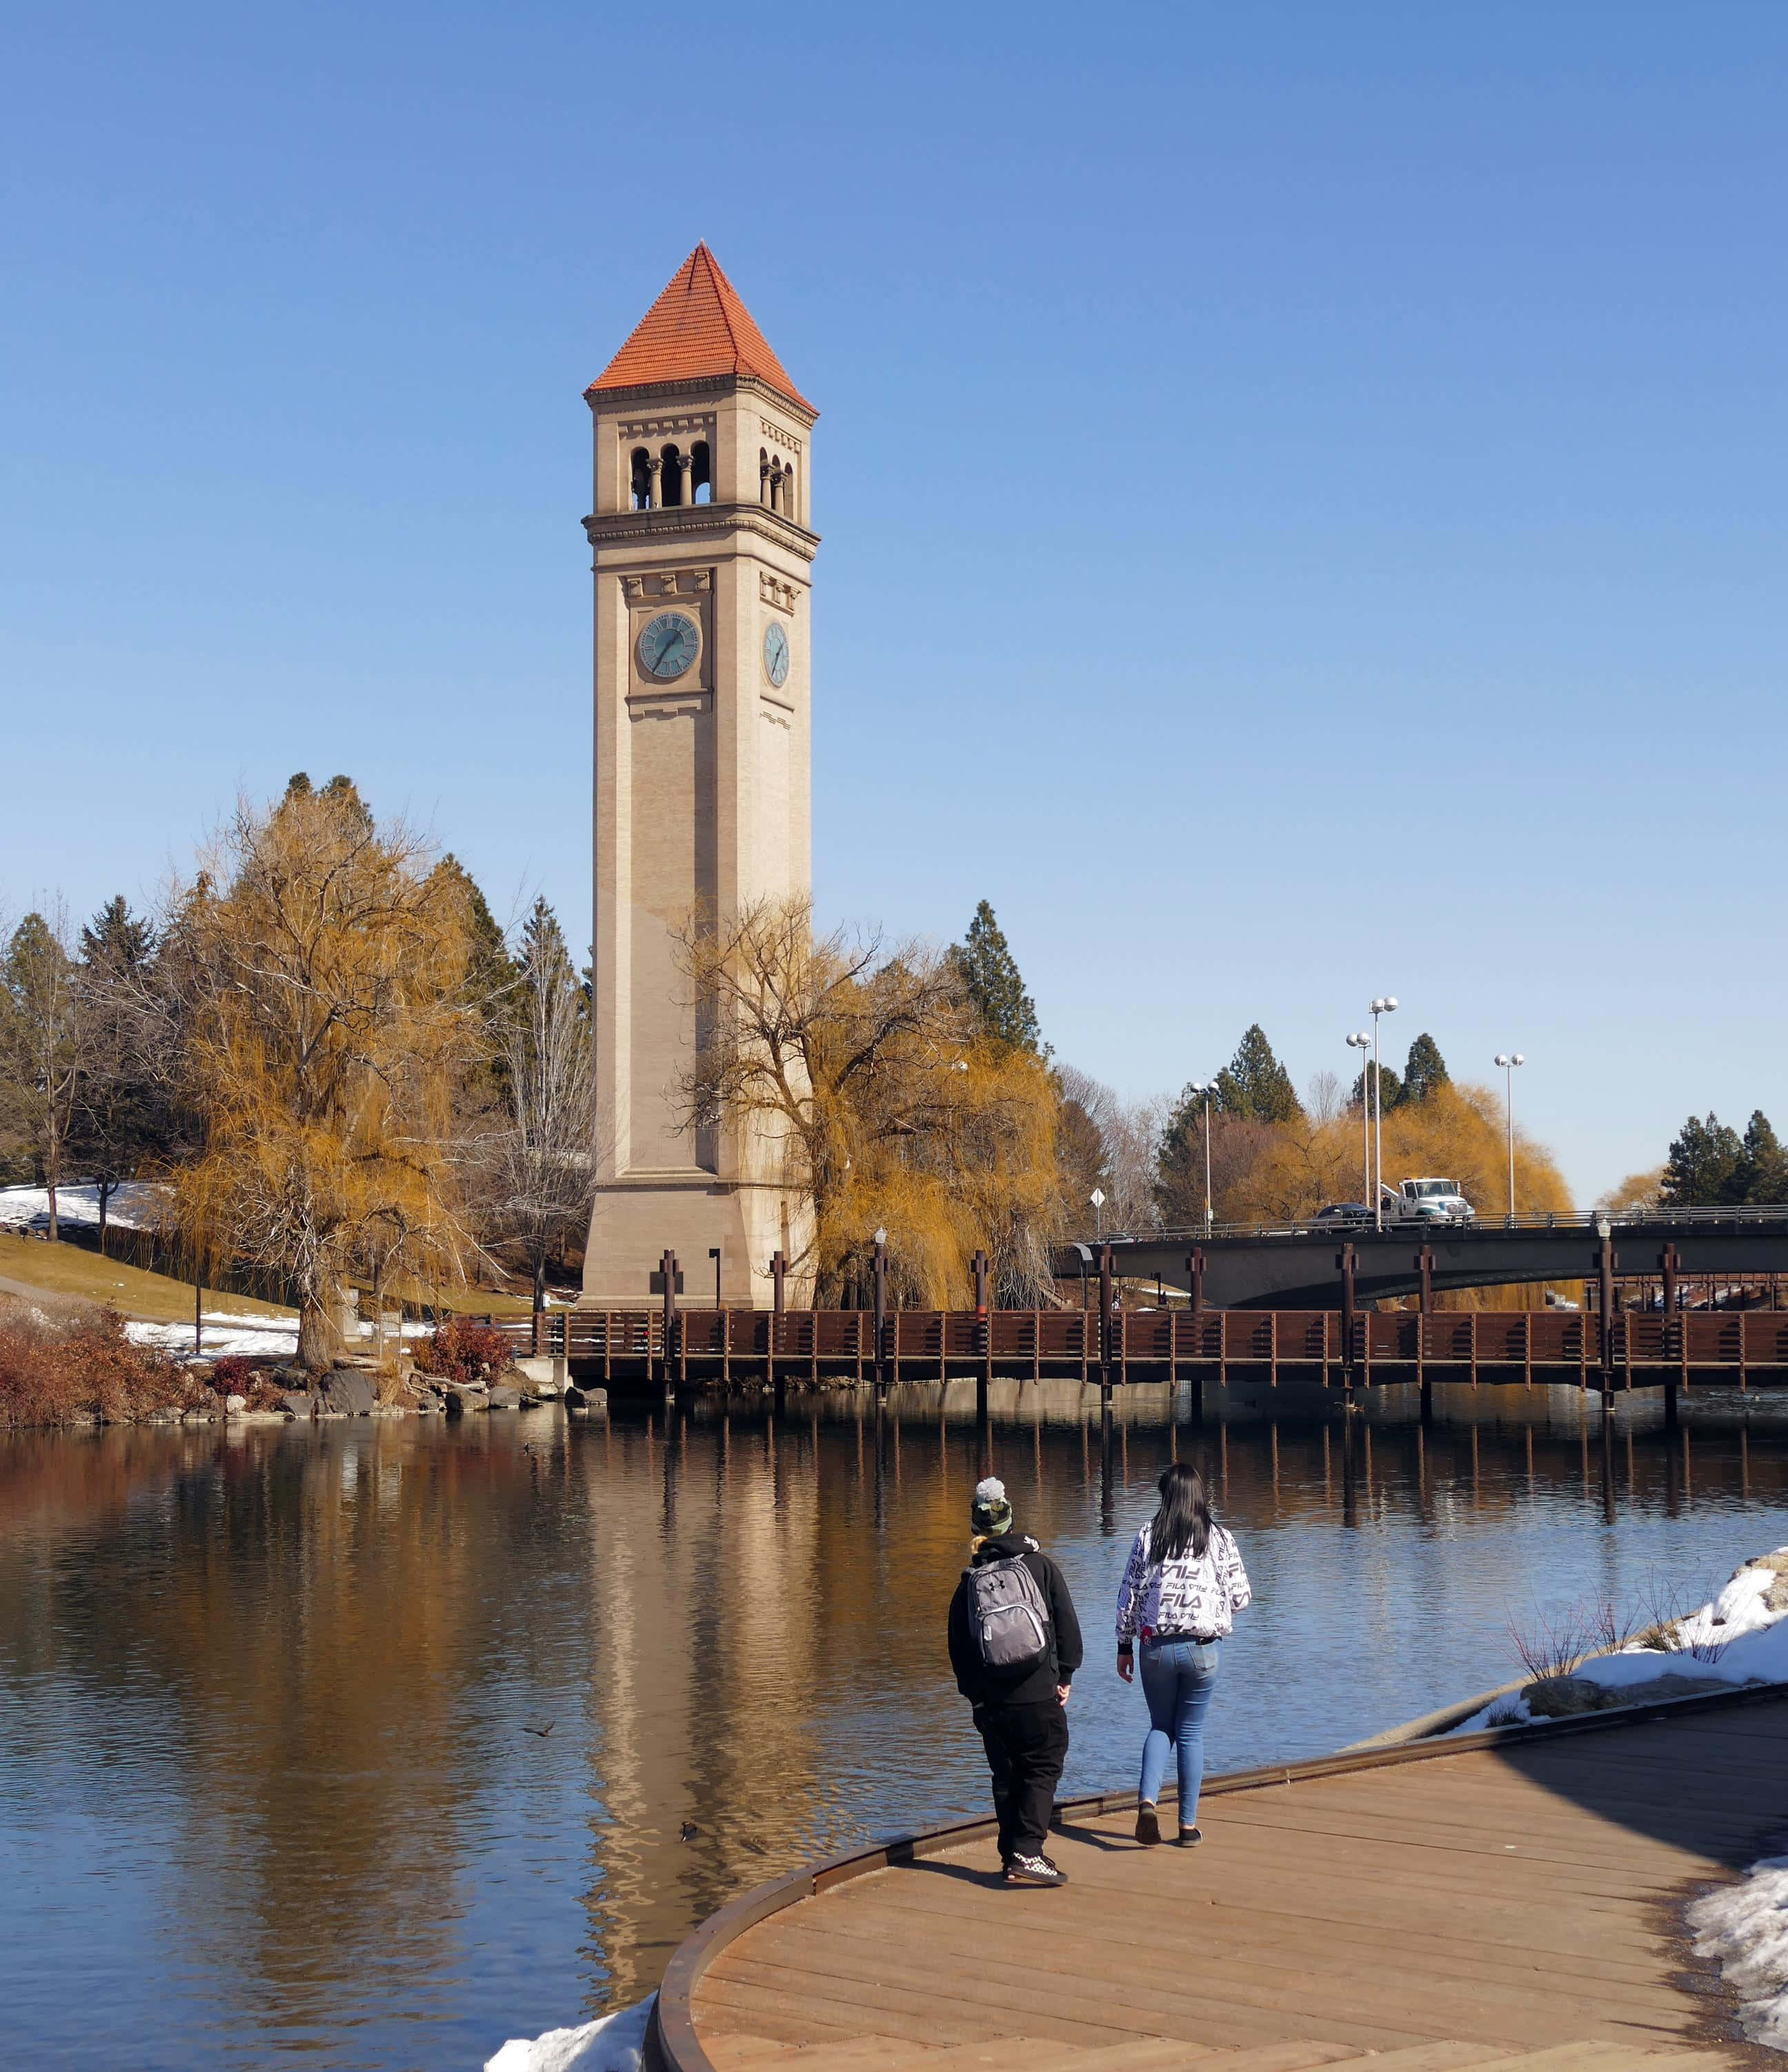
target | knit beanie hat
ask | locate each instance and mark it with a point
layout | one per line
(991, 1512)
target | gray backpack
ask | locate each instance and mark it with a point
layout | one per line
(1007, 1616)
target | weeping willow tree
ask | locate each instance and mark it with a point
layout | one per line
(322, 962)
(875, 1092)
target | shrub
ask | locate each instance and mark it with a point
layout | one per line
(465, 1350)
(55, 1369)
(234, 1375)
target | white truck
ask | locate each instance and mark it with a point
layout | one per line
(1426, 1201)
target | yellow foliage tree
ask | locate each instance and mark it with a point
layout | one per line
(1455, 1132)
(321, 967)
(866, 1074)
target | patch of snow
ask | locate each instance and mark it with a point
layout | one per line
(1510, 1710)
(137, 1205)
(1745, 1927)
(616, 2043)
(225, 1332)
(1736, 1638)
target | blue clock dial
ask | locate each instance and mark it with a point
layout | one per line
(776, 654)
(668, 646)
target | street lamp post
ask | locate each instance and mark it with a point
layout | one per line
(1508, 1060)
(1206, 1088)
(1385, 1004)
(1361, 1041)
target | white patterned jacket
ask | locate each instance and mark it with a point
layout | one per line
(1196, 1594)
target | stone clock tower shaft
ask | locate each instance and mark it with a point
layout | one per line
(703, 551)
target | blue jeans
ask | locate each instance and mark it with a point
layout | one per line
(1178, 1677)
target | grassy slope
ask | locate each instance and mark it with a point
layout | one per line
(66, 1269)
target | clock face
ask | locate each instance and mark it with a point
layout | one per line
(668, 646)
(776, 654)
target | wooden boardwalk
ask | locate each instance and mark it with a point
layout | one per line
(1517, 1903)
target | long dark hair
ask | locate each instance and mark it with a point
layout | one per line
(1184, 1519)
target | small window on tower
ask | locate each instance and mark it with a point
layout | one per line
(790, 509)
(763, 476)
(700, 474)
(671, 480)
(640, 468)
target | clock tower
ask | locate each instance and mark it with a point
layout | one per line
(703, 549)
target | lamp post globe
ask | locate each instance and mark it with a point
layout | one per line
(1385, 1004)
(1508, 1060)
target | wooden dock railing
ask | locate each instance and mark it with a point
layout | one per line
(1480, 1346)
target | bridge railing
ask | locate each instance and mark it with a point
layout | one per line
(1735, 1215)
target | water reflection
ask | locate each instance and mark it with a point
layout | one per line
(269, 1781)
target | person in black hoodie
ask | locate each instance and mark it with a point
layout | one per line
(1021, 1712)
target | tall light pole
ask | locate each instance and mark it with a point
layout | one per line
(1508, 1060)
(1385, 1004)
(1206, 1088)
(1361, 1041)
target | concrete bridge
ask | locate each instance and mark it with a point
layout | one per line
(1301, 1266)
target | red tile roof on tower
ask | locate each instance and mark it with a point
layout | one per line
(698, 326)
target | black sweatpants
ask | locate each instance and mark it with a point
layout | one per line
(1027, 1747)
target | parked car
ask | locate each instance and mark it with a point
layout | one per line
(1349, 1214)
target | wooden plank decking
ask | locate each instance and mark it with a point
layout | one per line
(1475, 1909)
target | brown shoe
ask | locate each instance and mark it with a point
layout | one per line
(1191, 1838)
(1148, 1826)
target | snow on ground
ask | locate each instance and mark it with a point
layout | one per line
(1745, 1927)
(224, 1333)
(615, 2043)
(227, 1332)
(1737, 1639)
(137, 1205)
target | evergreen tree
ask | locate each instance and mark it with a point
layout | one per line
(1761, 1175)
(40, 1050)
(1254, 1086)
(1392, 1092)
(988, 974)
(124, 1114)
(1703, 1165)
(116, 940)
(490, 974)
(1424, 1070)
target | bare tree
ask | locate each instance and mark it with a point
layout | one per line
(1129, 1136)
(535, 1182)
(1322, 1101)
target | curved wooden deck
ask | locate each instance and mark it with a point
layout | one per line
(1514, 1901)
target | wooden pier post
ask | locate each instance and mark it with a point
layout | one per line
(1105, 1328)
(1346, 1263)
(881, 1315)
(1425, 1262)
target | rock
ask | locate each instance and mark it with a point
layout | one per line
(164, 1416)
(348, 1394)
(585, 1399)
(299, 1402)
(504, 1396)
(232, 1403)
(464, 1396)
(1564, 1697)
(201, 1413)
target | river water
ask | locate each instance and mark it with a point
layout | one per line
(268, 1790)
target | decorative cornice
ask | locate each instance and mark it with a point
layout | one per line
(624, 402)
(686, 520)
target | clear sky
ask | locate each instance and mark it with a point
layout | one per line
(1302, 486)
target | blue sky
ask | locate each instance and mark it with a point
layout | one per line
(1302, 486)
